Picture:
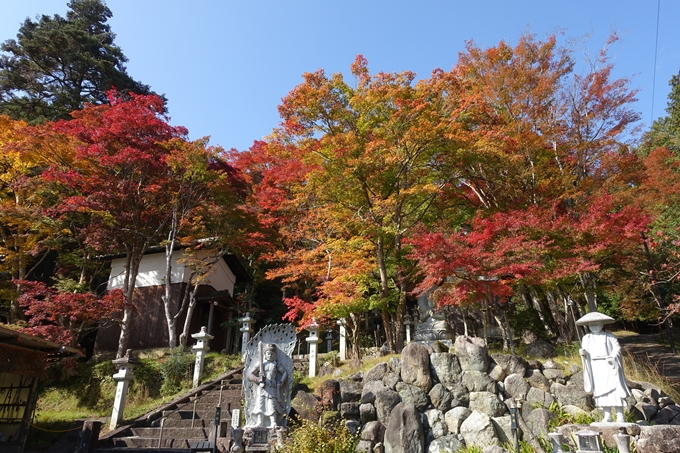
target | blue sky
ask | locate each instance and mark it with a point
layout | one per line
(225, 65)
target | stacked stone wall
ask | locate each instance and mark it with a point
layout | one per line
(435, 400)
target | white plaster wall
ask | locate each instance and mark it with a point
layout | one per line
(152, 271)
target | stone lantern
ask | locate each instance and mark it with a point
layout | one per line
(588, 441)
(329, 341)
(313, 341)
(201, 347)
(125, 374)
(246, 329)
(407, 326)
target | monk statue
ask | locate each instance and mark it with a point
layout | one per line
(603, 366)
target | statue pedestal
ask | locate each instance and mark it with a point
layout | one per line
(262, 439)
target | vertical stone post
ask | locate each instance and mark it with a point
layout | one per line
(407, 326)
(201, 347)
(89, 436)
(123, 377)
(329, 341)
(313, 341)
(246, 329)
(343, 339)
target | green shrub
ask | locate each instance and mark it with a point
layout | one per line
(308, 437)
(176, 370)
(561, 417)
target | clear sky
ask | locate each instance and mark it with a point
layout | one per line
(225, 65)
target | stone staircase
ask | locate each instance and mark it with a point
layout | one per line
(186, 424)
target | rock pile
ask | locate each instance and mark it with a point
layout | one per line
(434, 400)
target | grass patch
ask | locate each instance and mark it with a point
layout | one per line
(80, 391)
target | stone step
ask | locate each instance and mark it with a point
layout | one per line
(202, 414)
(227, 403)
(170, 432)
(150, 442)
(215, 394)
(184, 423)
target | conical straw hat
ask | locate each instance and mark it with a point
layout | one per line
(594, 317)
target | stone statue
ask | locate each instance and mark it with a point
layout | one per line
(431, 325)
(603, 366)
(268, 376)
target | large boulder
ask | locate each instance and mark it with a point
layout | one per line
(658, 439)
(472, 353)
(370, 389)
(445, 444)
(440, 397)
(478, 430)
(329, 393)
(515, 386)
(541, 349)
(390, 379)
(395, 365)
(478, 381)
(404, 433)
(455, 417)
(434, 425)
(385, 401)
(367, 413)
(445, 368)
(487, 403)
(350, 390)
(536, 379)
(511, 364)
(503, 426)
(538, 398)
(306, 406)
(538, 420)
(572, 396)
(373, 431)
(415, 366)
(349, 410)
(460, 395)
(413, 394)
(377, 372)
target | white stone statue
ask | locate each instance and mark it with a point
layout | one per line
(603, 366)
(268, 376)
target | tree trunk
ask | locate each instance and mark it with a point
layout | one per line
(562, 326)
(167, 298)
(133, 259)
(388, 325)
(538, 306)
(353, 325)
(184, 336)
(588, 282)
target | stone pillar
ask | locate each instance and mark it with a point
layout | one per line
(246, 329)
(343, 340)
(89, 436)
(124, 375)
(329, 341)
(201, 347)
(313, 341)
(407, 326)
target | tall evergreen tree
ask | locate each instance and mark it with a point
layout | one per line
(665, 131)
(58, 64)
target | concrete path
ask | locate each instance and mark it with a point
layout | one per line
(647, 350)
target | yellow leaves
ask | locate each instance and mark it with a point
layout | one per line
(12, 167)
